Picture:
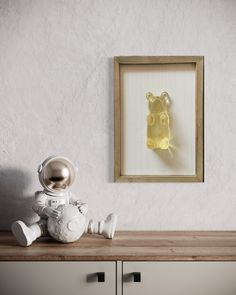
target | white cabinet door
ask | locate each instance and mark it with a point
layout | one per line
(57, 278)
(179, 278)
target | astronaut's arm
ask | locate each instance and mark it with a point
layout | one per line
(41, 208)
(83, 207)
(40, 204)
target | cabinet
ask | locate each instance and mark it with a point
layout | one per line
(166, 263)
(134, 278)
(57, 278)
(180, 278)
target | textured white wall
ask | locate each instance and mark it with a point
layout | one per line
(56, 90)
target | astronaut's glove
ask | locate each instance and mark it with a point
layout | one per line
(51, 212)
(83, 208)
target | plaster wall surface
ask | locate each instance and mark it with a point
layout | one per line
(56, 93)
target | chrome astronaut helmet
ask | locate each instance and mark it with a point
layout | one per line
(57, 174)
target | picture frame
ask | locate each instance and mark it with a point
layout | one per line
(182, 158)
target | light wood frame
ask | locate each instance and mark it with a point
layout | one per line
(199, 124)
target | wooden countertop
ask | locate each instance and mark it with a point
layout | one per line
(128, 245)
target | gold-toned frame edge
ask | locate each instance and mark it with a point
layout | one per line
(157, 178)
(136, 60)
(117, 121)
(200, 119)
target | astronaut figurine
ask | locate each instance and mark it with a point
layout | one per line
(57, 207)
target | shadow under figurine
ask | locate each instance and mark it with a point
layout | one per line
(62, 215)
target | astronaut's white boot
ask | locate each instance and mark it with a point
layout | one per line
(24, 234)
(105, 227)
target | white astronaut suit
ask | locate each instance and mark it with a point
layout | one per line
(56, 175)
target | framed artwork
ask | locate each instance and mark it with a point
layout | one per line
(158, 120)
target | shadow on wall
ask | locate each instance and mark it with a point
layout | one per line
(15, 204)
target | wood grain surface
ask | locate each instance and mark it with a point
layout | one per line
(128, 246)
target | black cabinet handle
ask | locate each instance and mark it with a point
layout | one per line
(101, 277)
(136, 277)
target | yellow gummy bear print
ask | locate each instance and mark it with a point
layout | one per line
(158, 121)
